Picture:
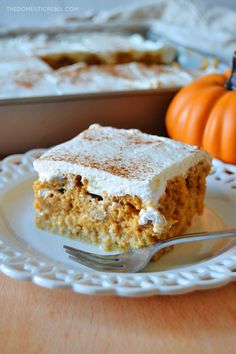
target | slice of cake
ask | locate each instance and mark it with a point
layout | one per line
(120, 188)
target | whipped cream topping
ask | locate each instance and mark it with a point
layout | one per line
(90, 42)
(25, 77)
(10, 64)
(121, 162)
(96, 78)
(150, 214)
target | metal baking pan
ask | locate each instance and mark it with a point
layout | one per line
(42, 122)
(45, 121)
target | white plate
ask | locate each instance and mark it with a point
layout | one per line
(27, 253)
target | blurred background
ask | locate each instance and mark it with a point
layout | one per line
(9, 15)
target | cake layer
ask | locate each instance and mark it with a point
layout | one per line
(66, 207)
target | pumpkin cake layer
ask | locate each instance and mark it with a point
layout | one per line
(120, 188)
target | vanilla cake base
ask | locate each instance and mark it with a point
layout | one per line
(120, 189)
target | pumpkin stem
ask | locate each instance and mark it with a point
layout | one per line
(231, 82)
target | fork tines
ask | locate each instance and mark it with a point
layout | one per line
(97, 261)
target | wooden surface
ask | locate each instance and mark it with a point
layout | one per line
(38, 320)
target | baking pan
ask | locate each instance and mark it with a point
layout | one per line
(27, 123)
(43, 122)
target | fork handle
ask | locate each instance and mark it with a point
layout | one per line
(202, 236)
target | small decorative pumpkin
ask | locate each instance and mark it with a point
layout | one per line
(204, 113)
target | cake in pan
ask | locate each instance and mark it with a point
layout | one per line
(103, 48)
(89, 47)
(30, 77)
(82, 78)
(120, 188)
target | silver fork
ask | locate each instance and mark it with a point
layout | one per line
(136, 259)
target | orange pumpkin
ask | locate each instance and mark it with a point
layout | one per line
(204, 113)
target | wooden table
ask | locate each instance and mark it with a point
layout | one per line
(37, 320)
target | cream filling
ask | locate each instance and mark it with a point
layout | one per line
(150, 214)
